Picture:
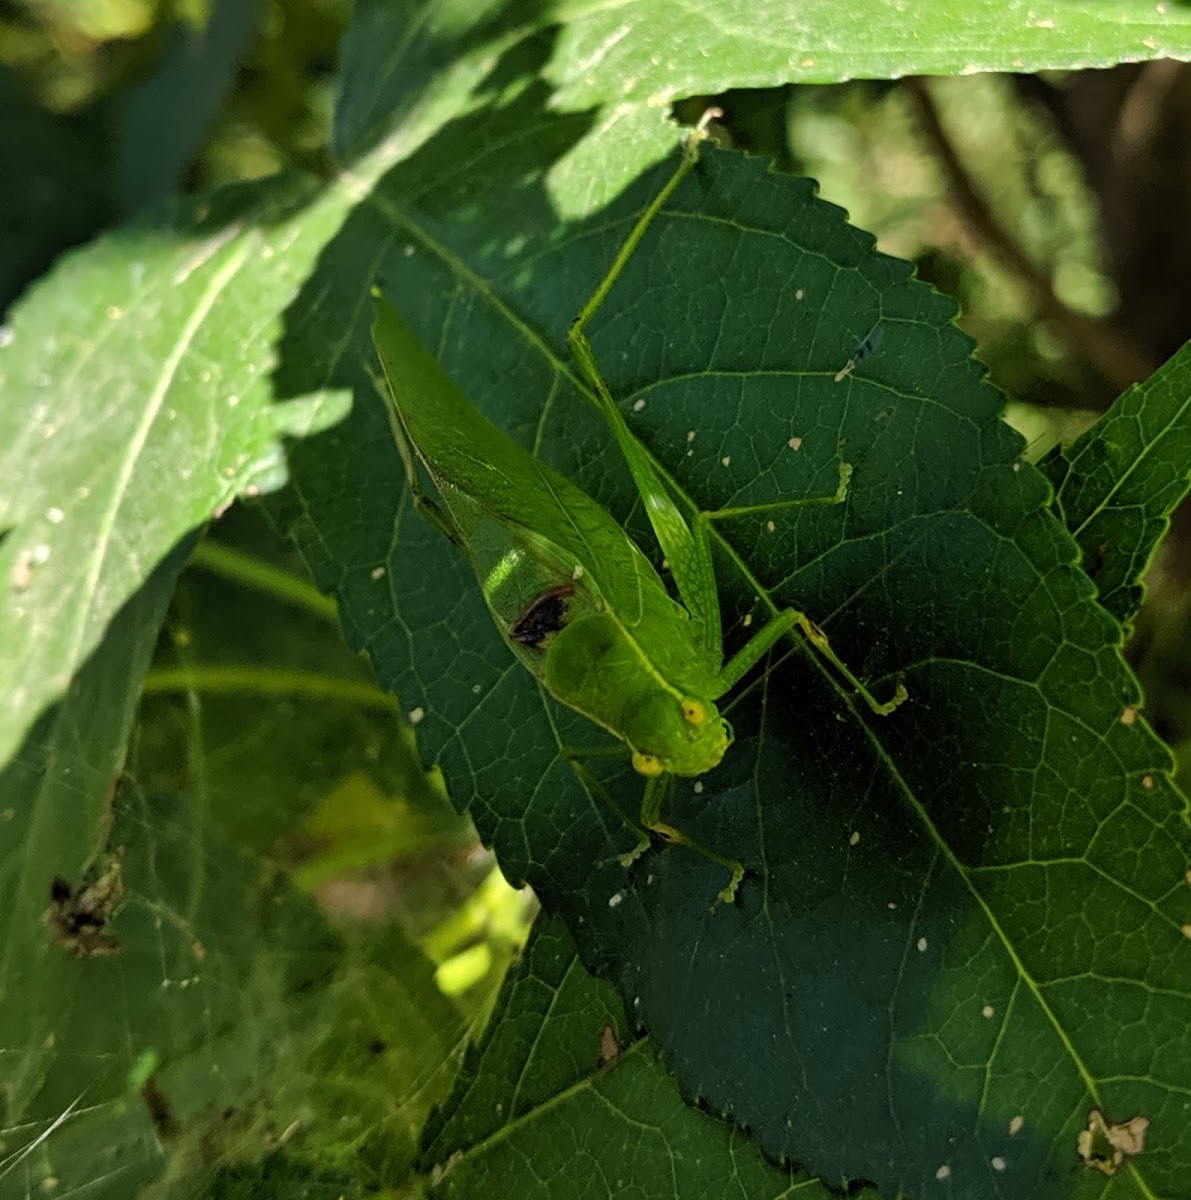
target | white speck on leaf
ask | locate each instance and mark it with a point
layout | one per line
(376, 573)
(770, 526)
(795, 443)
(22, 571)
(854, 840)
(944, 1172)
(577, 573)
(998, 1163)
(54, 515)
(416, 715)
(726, 460)
(987, 1012)
(698, 788)
(1016, 1124)
(922, 945)
(615, 899)
(638, 405)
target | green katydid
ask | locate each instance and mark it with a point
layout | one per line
(577, 601)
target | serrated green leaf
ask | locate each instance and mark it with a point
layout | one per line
(137, 404)
(952, 913)
(556, 1101)
(1118, 483)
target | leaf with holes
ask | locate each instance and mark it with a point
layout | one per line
(932, 964)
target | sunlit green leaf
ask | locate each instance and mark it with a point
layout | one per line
(138, 403)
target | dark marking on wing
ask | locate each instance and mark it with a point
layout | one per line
(546, 615)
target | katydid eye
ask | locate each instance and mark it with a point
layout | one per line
(646, 764)
(693, 713)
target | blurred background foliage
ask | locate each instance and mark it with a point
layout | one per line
(1052, 207)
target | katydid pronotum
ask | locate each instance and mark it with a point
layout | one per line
(577, 601)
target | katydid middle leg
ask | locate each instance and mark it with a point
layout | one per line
(784, 621)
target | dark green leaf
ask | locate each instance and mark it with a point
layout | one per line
(232, 1022)
(558, 1100)
(56, 799)
(53, 190)
(1118, 483)
(952, 913)
(165, 120)
(195, 1014)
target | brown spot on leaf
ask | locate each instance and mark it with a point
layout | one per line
(78, 915)
(1129, 715)
(1105, 1145)
(161, 1111)
(609, 1046)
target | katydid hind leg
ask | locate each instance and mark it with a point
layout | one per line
(688, 556)
(772, 632)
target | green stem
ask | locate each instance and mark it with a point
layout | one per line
(255, 573)
(266, 681)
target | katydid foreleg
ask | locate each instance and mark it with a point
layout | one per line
(651, 814)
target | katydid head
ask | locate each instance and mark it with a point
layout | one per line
(672, 736)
